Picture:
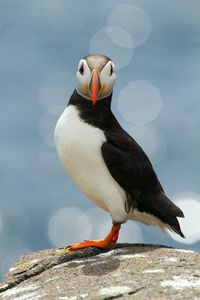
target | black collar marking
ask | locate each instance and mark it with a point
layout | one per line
(128, 163)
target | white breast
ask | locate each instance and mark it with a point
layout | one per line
(79, 148)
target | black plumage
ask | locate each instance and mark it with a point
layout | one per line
(128, 164)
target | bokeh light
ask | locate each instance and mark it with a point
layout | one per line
(134, 20)
(130, 231)
(101, 223)
(150, 138)
(139, 102)
(189, 203)
(120, 37)
(102, 43)
(69, 225)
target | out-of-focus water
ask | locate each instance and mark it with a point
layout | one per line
(156, 48)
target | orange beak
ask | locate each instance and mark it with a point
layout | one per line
(95, 85)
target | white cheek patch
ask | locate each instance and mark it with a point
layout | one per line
(107, 80)
(83, 80)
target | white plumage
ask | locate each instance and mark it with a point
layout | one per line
(79, 148)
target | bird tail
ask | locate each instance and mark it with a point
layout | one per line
(161, 207)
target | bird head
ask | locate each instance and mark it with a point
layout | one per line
(95, 77)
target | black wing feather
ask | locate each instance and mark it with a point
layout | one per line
(128, 163)
(131, 168)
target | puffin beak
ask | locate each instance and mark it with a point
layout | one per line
(95, 85)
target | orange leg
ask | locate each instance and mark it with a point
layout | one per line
(115, 238)
(103, 244)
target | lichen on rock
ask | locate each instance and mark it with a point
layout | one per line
(122, 271)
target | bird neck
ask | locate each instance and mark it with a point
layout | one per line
(98, 115)
(80, 101)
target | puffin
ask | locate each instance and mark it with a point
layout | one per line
(104, 161)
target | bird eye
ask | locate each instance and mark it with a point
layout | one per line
(111, 70)
(81, 69)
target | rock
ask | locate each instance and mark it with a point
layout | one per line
(124, 271)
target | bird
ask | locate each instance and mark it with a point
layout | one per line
(104, 161)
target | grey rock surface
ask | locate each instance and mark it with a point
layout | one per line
(124, 271)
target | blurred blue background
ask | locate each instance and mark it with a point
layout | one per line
(156, 48)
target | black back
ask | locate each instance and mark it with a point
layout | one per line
(128, 163)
